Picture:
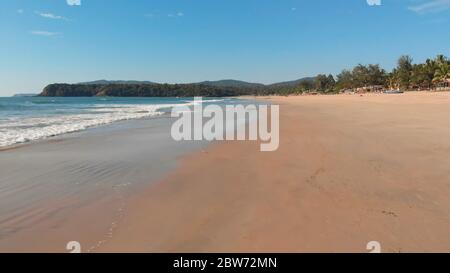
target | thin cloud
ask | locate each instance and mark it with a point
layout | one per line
(374, 3)
(49, 15)
(178, 14)
(431, 6)
(20, 11)
(158, 14)
(44, 33)
(73, 2)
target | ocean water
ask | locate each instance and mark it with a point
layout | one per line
(24, 119)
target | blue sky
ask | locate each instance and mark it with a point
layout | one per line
(48, 41)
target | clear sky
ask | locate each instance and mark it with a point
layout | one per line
(49, 41)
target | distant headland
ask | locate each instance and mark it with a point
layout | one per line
(222, 88)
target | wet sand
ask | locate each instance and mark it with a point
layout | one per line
(349, 170)
(75, 187)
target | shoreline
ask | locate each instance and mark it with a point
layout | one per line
(75, 187)
(349, 170)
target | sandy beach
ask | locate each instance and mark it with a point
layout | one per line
(253, 128)
(350, 169)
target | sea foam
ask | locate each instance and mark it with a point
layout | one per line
(16, 130)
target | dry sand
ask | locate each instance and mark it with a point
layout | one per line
(349, 170)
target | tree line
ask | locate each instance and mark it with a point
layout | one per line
(406, 75)
(144, 90)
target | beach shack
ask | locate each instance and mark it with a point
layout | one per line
(370, 88)
(443, 84)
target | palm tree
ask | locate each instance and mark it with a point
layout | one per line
(442, 71)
